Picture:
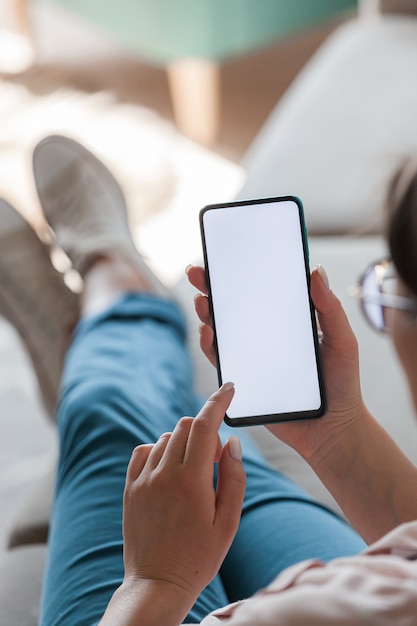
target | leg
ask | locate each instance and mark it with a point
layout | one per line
(195, 94)
(19, 11)
(17, 42)
(127, 378)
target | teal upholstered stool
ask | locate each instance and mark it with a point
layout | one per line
(191, 37)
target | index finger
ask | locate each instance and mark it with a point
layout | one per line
(197, 277)
(203, 439)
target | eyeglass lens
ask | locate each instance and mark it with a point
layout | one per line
(373, 311)
(379, 279)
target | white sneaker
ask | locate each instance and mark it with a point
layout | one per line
(84, 205)
(35, 300)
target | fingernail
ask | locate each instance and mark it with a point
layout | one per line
(187, 269)
(235, 449)
(323, 276)
(226, 387)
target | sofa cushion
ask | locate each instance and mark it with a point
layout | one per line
(21, 571)
(343, 126)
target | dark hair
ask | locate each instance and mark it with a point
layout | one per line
(402, 222)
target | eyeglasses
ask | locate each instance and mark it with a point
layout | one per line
(377, 292)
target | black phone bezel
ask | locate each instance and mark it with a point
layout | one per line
(256, 420)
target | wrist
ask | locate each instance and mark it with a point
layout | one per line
(352, 464)
(150, 602)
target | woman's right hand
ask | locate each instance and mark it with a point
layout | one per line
(177, 524)
(339, 352)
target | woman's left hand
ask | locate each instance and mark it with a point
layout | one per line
(177, 527)
(312, 439)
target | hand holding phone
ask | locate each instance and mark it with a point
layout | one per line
(257, 272)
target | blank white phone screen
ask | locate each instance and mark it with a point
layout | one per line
(261, 308)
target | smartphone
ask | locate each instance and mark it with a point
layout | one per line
(258, 278)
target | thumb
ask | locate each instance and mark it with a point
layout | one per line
(333, 320)
(231, 484)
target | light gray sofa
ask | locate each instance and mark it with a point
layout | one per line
(333, 140)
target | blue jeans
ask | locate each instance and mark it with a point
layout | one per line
(127, 379)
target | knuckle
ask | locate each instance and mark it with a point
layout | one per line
(183, 427)
(185, 423)
(200, 425)
(138, 451)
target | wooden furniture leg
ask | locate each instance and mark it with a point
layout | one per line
(195, 93)
(20, 16)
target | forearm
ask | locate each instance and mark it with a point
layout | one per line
(374, 483)
(153, 604)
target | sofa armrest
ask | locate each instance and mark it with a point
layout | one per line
(342, 128)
